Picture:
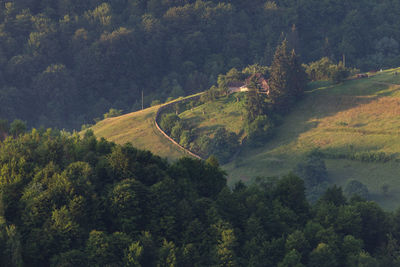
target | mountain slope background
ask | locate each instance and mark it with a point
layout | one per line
(65, 63)
(355, 125)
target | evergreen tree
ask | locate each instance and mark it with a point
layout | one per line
(279, 78)
(288, 78)
(298, 76)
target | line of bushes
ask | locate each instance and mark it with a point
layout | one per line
(359, 156)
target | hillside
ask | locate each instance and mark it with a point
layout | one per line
(71, 61)
(356, 117)
(137, 128)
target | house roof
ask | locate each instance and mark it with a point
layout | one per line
(236, 84)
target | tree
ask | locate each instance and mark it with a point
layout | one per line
(278, 80)
(291, 259)
(133, 255)
(17, 127)
(354, 187)
(255, 104)
(4, 128)
(298, 77)
(168, 122)
(290, 192)
(225, 248)
(167, 255)
(322, 255)
(112, 113)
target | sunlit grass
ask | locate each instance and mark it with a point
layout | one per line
(355, 116)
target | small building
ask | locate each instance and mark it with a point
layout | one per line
(234, 87)
(238, 86)
(263, 85)
(362, 75)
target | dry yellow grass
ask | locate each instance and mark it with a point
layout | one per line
(137, 128)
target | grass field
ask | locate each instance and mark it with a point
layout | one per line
(225, 112)
(356, 116)
(137, 128)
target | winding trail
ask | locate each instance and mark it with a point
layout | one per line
(166, 106)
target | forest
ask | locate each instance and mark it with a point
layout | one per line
(79, 201)
(65, 63)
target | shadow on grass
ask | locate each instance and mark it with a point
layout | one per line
(317, 104)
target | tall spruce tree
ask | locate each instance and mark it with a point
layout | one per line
(254, 101)
(287, 78)
(279, 78)
(298, 76)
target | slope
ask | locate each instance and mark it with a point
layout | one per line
(358, 117)
(139, 129)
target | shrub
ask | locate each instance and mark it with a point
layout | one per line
(112, 113)
(186, 138)
(17, 127)
(312, 170)
(168, 122)
(176, 131)
(155, 103)
(223, 145)
(259, 129)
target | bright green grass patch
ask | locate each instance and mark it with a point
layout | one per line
(224, 112)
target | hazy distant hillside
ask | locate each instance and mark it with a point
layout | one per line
(64, 63)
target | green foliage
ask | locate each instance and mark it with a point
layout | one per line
(17, 127)
(287, 78)
(354, 187)
(168, 122)
(259, 130)
(133, 255)
(72, 201)
(339, 72)
(115, 49)
(112, 113)
(223, 145)
(185, 138)
(177, 130)
(155, 103)
(4, 126)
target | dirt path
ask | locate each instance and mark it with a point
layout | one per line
(158, 114)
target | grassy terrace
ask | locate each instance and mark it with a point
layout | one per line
(226, 112)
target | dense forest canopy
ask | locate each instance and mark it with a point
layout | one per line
(72, 201)
(65, 62)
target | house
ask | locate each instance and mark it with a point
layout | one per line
(234, 87)
(262, 83)
(238, 86)
(362, 75)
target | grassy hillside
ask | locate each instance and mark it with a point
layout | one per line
(358, 116)
(226, 112)
(139, 129)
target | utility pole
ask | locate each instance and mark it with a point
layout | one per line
(142, 99)
(344, 60)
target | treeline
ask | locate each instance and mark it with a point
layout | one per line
(71, 201)
(65, 62)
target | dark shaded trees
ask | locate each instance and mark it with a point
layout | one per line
(287, 78)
